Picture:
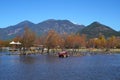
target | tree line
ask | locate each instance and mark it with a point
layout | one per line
(54, 40)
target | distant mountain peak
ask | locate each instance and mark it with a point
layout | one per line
(59, 22)
(96, 28)
(96, 22)
(55, 20)
(26, 22)
(99, 26)
(51, 20)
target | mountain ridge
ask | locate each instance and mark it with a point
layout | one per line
(92, 30)
(95, 29)
(40, 28)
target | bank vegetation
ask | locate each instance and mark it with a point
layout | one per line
(55, 42)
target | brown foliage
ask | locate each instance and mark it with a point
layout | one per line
(28, 38)
(54, 40)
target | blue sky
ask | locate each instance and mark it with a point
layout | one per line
(78, 11)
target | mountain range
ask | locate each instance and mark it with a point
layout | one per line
(61, 26)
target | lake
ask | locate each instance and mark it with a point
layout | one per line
(45, 67)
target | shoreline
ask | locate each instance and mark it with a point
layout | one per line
(71, 52)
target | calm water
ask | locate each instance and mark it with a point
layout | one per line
(42, 67)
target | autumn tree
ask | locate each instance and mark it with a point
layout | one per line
(112, 42)
(17, 38)
(4, 43)
(28, 38)
(60, 42)
(99, 42)
(1, 43)
(75, 41)
(63, 40)
(69, 41)
(118, 42)
(82, 40)
(102, 41)
(52, 40)
(40, 42)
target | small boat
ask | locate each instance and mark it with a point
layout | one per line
(63, 54)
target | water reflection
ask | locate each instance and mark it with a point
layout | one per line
(51, 59)
(45, 67)
(31, 59)
(27, 59)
